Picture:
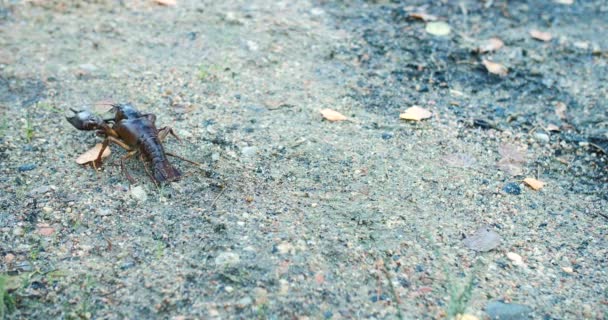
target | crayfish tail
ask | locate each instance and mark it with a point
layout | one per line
(164, 172)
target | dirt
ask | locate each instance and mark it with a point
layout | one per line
(293, 216)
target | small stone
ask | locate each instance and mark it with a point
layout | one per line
(512, 188)
(9, 257)
(40, 190)
(507, 311)
(228, 289)
(261, 296)
(483, 239)
(47, 209)
(568, 270)
(104, 212)
(227, 259)
(215, 156)
(541, 137)
(316, 11)
(249, 151)
(244, 302)
(387, 135)
(252, 46)
(285, 247)
(139, 193)
(26, 167)
(18, 231)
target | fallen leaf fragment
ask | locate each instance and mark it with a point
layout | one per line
(516, 259)
(438, 28)
(560, 109)
(423, 16)
(534, 184)
(568, 270)
(91, 154)
(495, 68)
(333, 115)
(415, 113)
(483, 239)
(541, 35)
(166, 2)
(491, 44)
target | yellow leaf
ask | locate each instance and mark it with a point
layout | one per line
(91, 154)
(415, 113)
(534, 184)
(541, 35)
(491, 44)
(438, 28)
(333, 115)
(495, 68)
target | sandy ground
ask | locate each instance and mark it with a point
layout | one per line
(293, 216)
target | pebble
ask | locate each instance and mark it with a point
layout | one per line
(507, 311)
(387, 135)
(249, 151)
(227, 259)
(104, 212)
(244, 302)
(512, 188)
(541, 137)
(26, 167)
(139, 193)
(261, 296)
(18, 231)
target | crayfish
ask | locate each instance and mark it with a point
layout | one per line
(136, 132)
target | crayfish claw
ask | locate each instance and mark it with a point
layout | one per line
(85, 120)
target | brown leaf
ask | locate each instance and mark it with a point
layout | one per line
(423, 16)
(415, 113)
(166, 2)
(91, 154)
(533, 183)
(560, 110)
(483, 239)
(495, 68)
(333, 115)
(541, 35)
(491, 44)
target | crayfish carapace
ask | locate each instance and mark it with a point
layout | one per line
(136, 132)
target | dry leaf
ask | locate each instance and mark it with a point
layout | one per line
(516, 259)
(491, 44)
(423, 16)
(484, 239)
(552, 127)
(533, 183)
(541, 35)
(438, 28)
(560, 110)
(166, 2)
(415, 113)
(333, 115)
(495, 68)
(91, 154)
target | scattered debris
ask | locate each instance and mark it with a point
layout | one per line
(438, 28)
(91, 154)
(483, 239)
(415, 113)
(541, 35)
(533, 183)
(333, 115)
(495, 68)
